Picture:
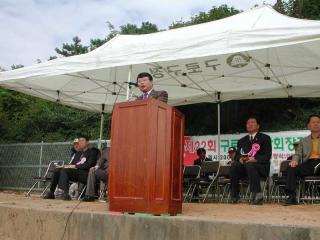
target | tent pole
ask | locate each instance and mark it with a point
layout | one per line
(129, 81)
(219, 121)
(101, 127)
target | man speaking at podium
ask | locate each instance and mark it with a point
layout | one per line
(145, 84)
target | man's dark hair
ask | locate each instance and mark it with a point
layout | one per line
(311, 116)
(145, 74)
(201, 150)
(255, 118)
(86, 137)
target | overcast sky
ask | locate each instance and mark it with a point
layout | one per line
(32, 29)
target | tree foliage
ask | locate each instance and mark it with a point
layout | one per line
(16, 66)
(215, 13)
(52, 57)
(50, 121)
(71, 49)
(308, 9)
(95, 43)
(146, 27)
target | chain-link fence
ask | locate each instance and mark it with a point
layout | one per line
(19, 163)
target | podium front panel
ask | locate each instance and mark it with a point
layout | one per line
(128, 154)
(158, 152)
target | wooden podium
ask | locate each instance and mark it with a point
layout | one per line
(146, 158)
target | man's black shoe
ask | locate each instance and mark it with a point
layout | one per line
(253, 198)
(257, 201)
(291, 201)
(49, 195)
(88, 199)
(235, 200)
(66, 197)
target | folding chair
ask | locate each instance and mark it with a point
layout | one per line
(206, 180)
(103, 189)
(189, 173)
(311, 187)
(224, 182)
(82, 189)
(46, 177)
(265, 186)
(279, 182)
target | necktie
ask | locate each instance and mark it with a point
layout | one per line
(251, 138)
(145, 95)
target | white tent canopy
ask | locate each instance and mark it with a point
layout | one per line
(255, 54)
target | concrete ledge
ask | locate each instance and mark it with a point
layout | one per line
(17, 223)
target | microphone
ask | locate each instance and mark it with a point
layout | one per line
(132, 84)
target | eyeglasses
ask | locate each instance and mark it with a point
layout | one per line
(142, 80)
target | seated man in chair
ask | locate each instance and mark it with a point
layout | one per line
(202, 157)
(77, 171)
(305, 159)
(97, 173)
(252, 160)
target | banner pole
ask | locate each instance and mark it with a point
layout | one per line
(219, 123)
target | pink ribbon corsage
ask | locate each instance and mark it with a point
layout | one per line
(255, 148)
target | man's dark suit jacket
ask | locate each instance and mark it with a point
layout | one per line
(263, 156)
(90, 159)
(159, 95)
(75, 157)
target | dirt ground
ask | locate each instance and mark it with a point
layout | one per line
(302, 215)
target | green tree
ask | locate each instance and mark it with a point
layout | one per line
(308, 9)
(50, 121)
(112, 31)
(280, 7)
(52, 57)
(95, 43)
(215, 13)
(129, 29)
(16, 66)
(74, 48)
(146, 27)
